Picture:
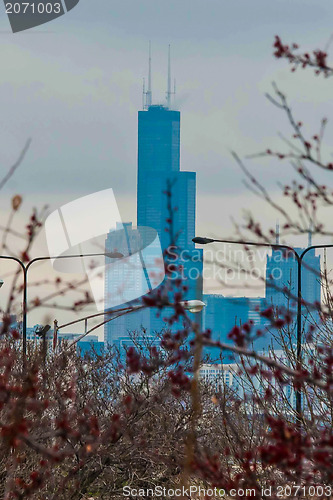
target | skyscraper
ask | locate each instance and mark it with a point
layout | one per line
(158, 169)
(172, 217)
(222, 313)
(281, 279)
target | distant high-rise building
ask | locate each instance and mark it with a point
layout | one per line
(281, 291)
(124, 282)
(281, 280)
(221, 314)
(223, 377)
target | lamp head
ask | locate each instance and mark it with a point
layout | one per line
(41, 331)
(202, 241)
(193, 306)
(114, 255)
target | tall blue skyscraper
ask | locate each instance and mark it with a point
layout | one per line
(158, 168)
(159, 171)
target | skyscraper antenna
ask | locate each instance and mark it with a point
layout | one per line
(277, 233)
(149, 92)
(310, 235)
(169, 80)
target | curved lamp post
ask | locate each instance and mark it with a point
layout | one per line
(193, 306)
(204, 241)
(25, 268)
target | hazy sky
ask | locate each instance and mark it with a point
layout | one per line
(75, 85)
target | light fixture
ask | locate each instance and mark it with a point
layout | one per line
(193, 306)
(202, 241)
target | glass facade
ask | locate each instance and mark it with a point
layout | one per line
(159, 171)
(281, 284)
(281, 274)
(221, 314)
(158, 168)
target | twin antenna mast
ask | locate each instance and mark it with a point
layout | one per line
(277, 234)
(147, 96)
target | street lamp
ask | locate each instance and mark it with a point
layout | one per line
(204, 241)
(193, 306)
(25, 268)
(190, 305)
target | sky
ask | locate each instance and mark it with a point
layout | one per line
(74, 86)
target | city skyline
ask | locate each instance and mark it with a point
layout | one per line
(154, 108)
(106, 89)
